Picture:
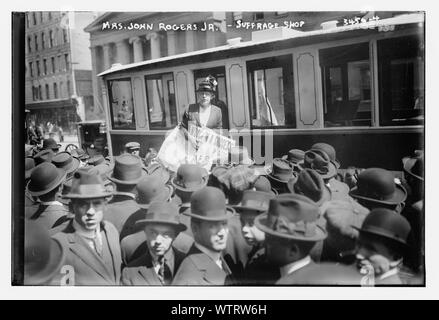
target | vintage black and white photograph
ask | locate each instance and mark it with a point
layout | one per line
(221, 148)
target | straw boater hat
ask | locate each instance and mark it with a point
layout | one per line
(87, 186)
(163, 213)
(190, 178)
(44, 178)
(151, 189)
(292, 217)
(209, 204)
(127, 170)
(310, 184)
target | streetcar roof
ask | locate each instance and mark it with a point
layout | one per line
(404, 19)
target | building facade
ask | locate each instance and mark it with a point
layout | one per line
(58, 68)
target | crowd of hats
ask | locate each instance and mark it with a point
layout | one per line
(297, 192)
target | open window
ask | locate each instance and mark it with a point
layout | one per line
(346, 85)
(401, 81)
(160, 94)
(121, 104)
(271, 92)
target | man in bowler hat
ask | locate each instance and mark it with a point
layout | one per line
(204, 264)
(160, 261)
(91, 243)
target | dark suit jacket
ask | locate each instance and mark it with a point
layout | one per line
(258, 271)
(192, 114)
(140, 272)
(119, 211)
(200, 270)
(89, 268)
(50, 216)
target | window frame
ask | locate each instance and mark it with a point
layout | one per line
(109, 96)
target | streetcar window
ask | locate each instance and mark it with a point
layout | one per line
(401, 81)
(271, 92)
(346, 85)
(220, 100)
(121, 104)
(160, 94)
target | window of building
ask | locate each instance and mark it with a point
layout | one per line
(69, 89)
(53, 64)
(36, 42)
(220, 99)
(160, 94)
(61, 90)
(65, 36)
(401, 81)
(38, 68)
(41, 17)
(49, 15)
(43, 40)
(258, 16)
(29, 44)
(59, 64)
(51, 39)
(270, 105)
(45, 66)
(66, 61)
(55, 91)
(40, 93)
(346, 85)
(31, 69)
(121, 104)
(34, 18)
(47, 92)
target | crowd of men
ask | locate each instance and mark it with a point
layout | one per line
(301, 221)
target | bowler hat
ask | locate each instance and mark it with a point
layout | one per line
(163, 213)
(378, 185)
(292, 217)
(64, 160)
(132, 146)
(206, 85)
(190, 178)
(86, 185)
(256, 201)
(29, 165)
(152, 188)
(44, 156)
(96, 160)
(50, 143)
(263, 184)
(80, 154)
(329, 150)
(386, 223)
(414, 166)
(281, 171)
(44, 178)
(294, 156)
(43, 255)
(239, 155)
(310, 184)
(127, 170)
(209, 203)
(320, 162)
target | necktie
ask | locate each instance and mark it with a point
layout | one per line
(98, 246)
(164, 273)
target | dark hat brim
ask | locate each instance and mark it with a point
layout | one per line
(260, 222)
(87, 196)
(327, 194)
(74, 167)
(273, 178)
(55, 183)
(408, 164)
(205, 90)
(229, 213)
(239, 209)
(193, 189)
(398, 196)
(126, 182)
(56, 261)
(165, 196)
(381, 233)
(180, 227)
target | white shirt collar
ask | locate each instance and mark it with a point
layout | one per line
(215, 256)
(294, 266)
(389, 273)
(51, 203)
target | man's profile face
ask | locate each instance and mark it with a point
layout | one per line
(89, 212)
(159, 238)
(212, 234)
(251, 234)
(372, 251)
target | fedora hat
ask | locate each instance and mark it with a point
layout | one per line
(163, 213)
(294, 156)
(152, 188)
(329, 150)
(378, 185)
(43, 255)
(292, 217)
(96, 160)
(386, 223)
(209, 204)
(239, 155)
(50, 143)
(264, 185)
(86, 185)
(256, 201)
(207, 84)
(65, 161)
(44, 178)
(320, 162)
(127, 170)
(29, 165)
(414, 166)
(310, 184)
(189, 178)
(160, 171)
(80, 154)
(281, 171)
(44, 156)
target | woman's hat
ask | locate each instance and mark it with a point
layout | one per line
(206, 85)
(190, 178)
(281, 171)
(292, 217)
(163, 213)
(64, 160)
(209, 204)
(127, 170)
(152, 188)
(44, 178)
(379, 186)
(310, 184)
(86, 185)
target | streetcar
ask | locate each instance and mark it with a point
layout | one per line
(357, 87)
